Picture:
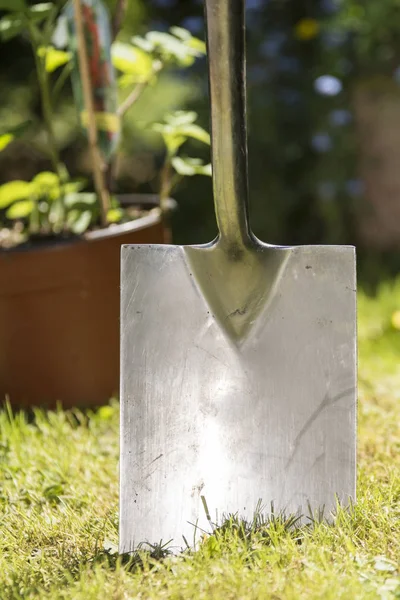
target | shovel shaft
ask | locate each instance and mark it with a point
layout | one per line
(226, 60)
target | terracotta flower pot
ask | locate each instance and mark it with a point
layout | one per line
(59, 316)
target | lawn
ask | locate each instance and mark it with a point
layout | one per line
(59, 507)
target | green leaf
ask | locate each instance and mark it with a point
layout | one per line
(197, 45)
(10, 27)
(172, 141)
(181, 33)
(14, 190)
(181, 117)
(56, 214)
(13, 25)
(143, 43)
(20, 210)
(79, 221)
(46, 179)
(190, 166)
(5, 140)
(41, 10)
(105, 413)
(115, 215)
(13, 5)
(171, 48)
(195, 132)
(73, 186)
(178, 127)
(132, 61)
(47, 184)
(191, 41)
(54, 58)
(80, 199)
(126, 81)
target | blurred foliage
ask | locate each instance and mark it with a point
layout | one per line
(176, 129)
(304, 59)
(142, 62)
(379, 334)
(52, 203)
(374, 28)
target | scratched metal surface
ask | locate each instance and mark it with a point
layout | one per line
(238, 359)
(268, 415)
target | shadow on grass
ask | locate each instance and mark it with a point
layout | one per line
(268, 529)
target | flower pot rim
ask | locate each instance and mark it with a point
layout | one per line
(113, 230)
(117, 229)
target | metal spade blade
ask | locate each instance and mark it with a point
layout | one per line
(238, 358)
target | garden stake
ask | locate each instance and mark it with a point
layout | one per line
(97, 160)
(238, 358)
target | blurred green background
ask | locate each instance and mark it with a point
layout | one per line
(323, 81)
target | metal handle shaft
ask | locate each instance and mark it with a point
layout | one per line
(227, 80)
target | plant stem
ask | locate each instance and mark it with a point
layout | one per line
(97, 161)
(137, 91)
(47, 107)
(34, 220)
(132, 98)
(165, 184)
(122, 109)
(65, 73)
(165, 190)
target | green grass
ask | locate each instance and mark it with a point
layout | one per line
(59, 508)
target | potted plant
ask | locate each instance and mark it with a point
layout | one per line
(60, 240)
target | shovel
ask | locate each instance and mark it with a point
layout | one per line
(238, 358)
